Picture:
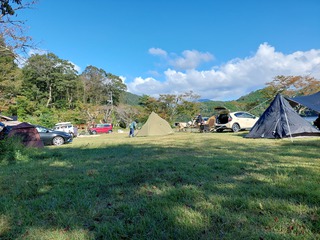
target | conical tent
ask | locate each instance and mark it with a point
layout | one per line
(155, 126)
(280, 120)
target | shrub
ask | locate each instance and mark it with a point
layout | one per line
(12, 150)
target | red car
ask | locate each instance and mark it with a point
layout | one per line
(101, 128)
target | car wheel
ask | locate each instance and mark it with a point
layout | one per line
(110, 131)
(94, 132)
(57, 141)
(219, 130)
(235, 127)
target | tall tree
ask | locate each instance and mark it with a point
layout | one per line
(10, 78)
(172, 106)
(100, 87)
(293, 85)
(150, 104)
(50, 80)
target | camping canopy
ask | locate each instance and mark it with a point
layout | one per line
(155, 126)
(310, 101)
(280, 120)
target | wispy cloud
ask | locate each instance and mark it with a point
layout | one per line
(190, 59)
(157, 51)
(230, 80)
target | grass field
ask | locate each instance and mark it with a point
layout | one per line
(181, 186)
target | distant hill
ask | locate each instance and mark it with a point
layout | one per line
(254, 96)
(204, 100)
(130, 99)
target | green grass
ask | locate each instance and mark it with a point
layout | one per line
(182, 186)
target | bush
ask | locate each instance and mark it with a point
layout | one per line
(12, 150)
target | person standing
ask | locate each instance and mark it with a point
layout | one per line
(132, 127)
(199, 119)
(317, 122)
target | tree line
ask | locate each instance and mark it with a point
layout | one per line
(48, 89)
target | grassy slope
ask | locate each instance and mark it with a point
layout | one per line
(183, 186)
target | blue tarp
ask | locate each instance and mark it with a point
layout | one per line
(310, 101)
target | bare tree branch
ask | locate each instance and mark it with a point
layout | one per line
(12, 29)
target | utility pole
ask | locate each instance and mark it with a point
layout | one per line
(110, 100)
(109, 107)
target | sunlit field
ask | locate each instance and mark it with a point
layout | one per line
(188, 185)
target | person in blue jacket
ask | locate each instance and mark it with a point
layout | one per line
(132, 127)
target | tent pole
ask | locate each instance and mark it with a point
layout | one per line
(285, 114)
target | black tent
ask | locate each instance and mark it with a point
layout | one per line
(280, 120)
(310, 101)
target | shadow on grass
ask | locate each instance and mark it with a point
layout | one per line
(145, 191)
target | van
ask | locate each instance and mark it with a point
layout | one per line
(101, 128)
(66, 127)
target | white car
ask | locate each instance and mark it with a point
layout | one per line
(235, 121)
(66, 127)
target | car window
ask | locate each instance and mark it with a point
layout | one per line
(239, 115)
(248, 115)
(41, 129)
(103, 125)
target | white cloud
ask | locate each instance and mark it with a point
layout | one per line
(123, 78)
(157, 51)
(37, 51)
(231, 80)
(21, 59)
(76, 67)
(190, 59)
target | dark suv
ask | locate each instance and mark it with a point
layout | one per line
(101, 128)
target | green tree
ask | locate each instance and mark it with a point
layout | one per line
(189, 106)
(171, 106)
(150, 104)
(10, 78)
(100, 87)
(50, 81)
(8, 9)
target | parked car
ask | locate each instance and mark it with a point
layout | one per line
(101, 128)
(52, 137)
(234, 121)
(66, 127)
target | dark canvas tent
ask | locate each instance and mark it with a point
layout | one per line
(27, 134)
(155, 126)
(280, 120)
(310, 101)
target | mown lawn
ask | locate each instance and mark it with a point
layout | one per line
(181, 186)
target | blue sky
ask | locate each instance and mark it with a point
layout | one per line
(220, 50)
